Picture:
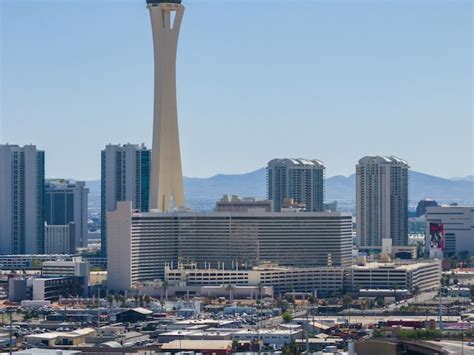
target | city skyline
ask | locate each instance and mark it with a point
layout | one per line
(407, 77)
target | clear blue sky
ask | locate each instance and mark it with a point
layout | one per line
(333, 80)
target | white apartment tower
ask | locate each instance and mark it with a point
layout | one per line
(382, 200)
(166, 188)
(21, 199)
(299, 179)
(125, 176)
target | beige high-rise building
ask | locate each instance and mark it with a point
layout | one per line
(382, 200)
(166, 188)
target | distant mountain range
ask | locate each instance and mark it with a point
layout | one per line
(465, 178)
(201, 193)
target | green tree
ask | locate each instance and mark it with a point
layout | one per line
(36, 264)
(287, 317)
(290, 349)
(347, 301)
(424, 334)
(378, 333)
(235, 345)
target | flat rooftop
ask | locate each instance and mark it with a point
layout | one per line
(395, 266)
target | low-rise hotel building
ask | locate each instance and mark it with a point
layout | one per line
(323, 280)
(419, 276)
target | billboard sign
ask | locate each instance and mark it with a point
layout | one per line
(436, 240)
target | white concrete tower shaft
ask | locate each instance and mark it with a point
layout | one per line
(166, 187)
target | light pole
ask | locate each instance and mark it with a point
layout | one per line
(10, 311)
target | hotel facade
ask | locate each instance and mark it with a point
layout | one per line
(140, 244)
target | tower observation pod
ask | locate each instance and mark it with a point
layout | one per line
(166, 187)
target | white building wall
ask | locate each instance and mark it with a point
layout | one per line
(458, 223)
(57, 239)
(119, 232)
(39, 289)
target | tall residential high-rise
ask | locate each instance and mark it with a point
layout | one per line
(125, 176)
(299, 179)
(65, 201)
(21, 199)
(166, 189)
(382, 200)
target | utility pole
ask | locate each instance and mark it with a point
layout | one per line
(98, 311)
(307, 328)
(11, 332)
(440, 313)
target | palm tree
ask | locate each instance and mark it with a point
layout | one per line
(164, 287)
(136, 300)
(416, 291)
(448, 279)
(110, 300)
(395, 289)
(119, 299)
(364, 304)
(230, 288)
(260, 288)
(147, 299)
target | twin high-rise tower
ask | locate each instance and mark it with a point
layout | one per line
(382, 200)
(166, 188)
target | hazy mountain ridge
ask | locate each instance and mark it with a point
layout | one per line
(205, 191)
(464, 178)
